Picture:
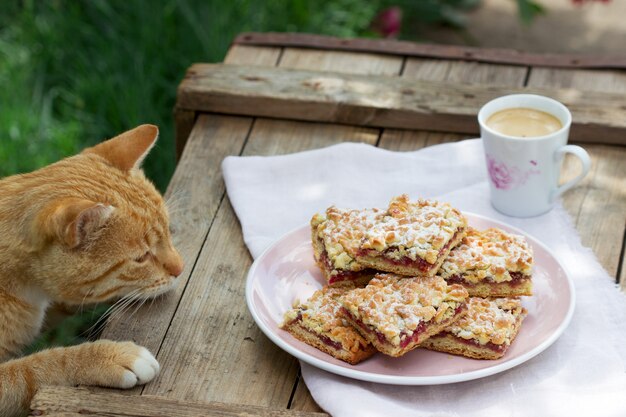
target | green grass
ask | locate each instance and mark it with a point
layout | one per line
(74, 73)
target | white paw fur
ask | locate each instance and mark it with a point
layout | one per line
(118, 365)
(143, 370)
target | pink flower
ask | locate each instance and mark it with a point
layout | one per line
(388, 22)
(500, 174)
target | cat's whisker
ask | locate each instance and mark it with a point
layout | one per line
(129, 300)
(175, 203)
(117, 312)
(82, 304)
(174, 199)
(139, 305)
(110, 312)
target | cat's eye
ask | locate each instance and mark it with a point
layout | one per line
(143, 257)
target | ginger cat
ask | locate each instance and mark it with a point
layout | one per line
(87, 229)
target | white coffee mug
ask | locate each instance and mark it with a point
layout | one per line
(524, 172)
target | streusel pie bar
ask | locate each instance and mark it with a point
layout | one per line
(407, 238)
(336, 236)
(490, 263)
(486, 332)
(396, 314)
(414, 237)
(319, 323)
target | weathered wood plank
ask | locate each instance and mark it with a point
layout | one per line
(213, 350)
(279, 137)
(194, 194)
(238, 54)
(601, 217)
(394, 47)
(448, 71)
(412, 140)
(588, 80)
(465, 72)
(253, 55)
(597, 203)
(344, 62)
(65, 401)
(379, 101)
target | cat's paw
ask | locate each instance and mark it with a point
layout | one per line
(143, 368)
(119, 364)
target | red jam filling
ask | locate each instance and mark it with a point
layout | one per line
(405, 340)
(491, 346)
(341, 275)
(325, 339)
(419, 263)
(517, 279)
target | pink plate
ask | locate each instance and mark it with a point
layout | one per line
(287, 271)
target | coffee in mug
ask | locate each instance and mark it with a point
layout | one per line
(525, 139)
(523, 122)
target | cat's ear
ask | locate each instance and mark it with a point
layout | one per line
(73, 221)
(128, 150)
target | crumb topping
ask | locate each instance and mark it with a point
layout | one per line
(490, 321)
(415, 229)
(405, 229)
(341, 232)
(321, 315)
(491, 254)
(396, 305)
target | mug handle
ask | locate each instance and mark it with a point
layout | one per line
(584, 159)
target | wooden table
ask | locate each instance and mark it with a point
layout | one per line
(280, 93)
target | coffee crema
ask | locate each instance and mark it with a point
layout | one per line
(523, 122)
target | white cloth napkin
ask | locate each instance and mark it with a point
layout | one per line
(582, 374)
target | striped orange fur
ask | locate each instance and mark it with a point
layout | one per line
(87, 229)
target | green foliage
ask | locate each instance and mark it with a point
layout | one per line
(71, 331)
(30, 134)
(419, 15)
(528, 10)
(80, 72)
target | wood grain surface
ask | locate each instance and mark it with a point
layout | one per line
(240, 54)
(505, 76)
(75, 402)
(253, 55)
(380, 101)
(424, 50)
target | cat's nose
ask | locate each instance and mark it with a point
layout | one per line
(174, 266)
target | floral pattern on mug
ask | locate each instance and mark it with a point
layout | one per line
(505, 177)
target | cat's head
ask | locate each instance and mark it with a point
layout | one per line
(104, 233)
